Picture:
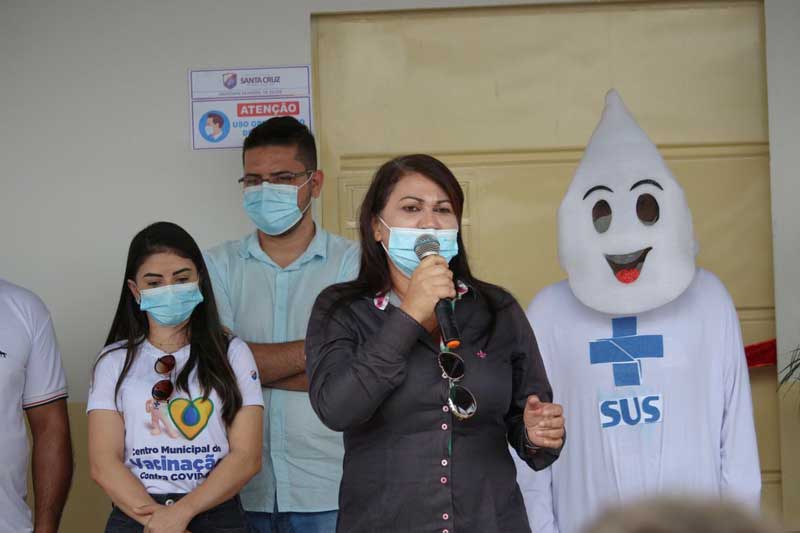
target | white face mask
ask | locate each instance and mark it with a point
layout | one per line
(633, 249)
(210, 131)
(273, 208)
(402, 242)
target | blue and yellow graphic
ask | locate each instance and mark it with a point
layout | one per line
(190, 416)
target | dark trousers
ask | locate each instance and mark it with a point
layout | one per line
(227, 517)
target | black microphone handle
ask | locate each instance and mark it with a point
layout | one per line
(447, 323)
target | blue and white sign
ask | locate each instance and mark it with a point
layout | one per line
(227, 103)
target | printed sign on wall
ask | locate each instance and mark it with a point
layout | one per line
(228, 103)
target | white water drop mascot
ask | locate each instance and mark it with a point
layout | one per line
(642, 348)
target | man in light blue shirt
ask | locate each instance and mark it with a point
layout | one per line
(265, 285)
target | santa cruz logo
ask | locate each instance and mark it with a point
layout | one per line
(229, 80)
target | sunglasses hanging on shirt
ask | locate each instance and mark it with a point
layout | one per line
(163, 389)
(461, 401)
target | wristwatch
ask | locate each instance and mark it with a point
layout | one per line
(529, 446)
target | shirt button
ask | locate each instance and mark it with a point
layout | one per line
(445, 408)
(444, 462)
(445, 516)
(444, 427)
(443, 480)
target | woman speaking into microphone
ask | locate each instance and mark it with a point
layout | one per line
(427, 424)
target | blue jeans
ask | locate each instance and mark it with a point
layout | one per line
(324, 522)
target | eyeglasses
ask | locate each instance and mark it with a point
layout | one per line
(163, 389)
(461, 401)
(286, 178)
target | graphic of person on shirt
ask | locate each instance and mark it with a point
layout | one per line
(642, 348)
(158, 419)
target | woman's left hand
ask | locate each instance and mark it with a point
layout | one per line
(165, 518)
(544, 423)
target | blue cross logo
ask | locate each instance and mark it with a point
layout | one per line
(624, 350)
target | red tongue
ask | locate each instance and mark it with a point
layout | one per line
(629, 275)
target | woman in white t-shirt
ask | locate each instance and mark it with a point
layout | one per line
(175, 406)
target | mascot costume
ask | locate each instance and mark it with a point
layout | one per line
(642, 348)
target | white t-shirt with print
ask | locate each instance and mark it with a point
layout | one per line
(30, 375)
(172, 446)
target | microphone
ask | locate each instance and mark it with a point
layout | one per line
(425, 245)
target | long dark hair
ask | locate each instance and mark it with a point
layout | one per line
(208, 340)
(373, 277)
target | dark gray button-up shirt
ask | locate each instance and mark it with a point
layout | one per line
(409, 464)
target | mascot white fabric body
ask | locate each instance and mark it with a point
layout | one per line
(642, 349)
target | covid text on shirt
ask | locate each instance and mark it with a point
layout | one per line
(175, 469)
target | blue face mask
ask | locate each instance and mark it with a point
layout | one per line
(273, 208)
(402, 240)
(171, 304)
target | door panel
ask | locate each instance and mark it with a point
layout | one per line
(508, 98)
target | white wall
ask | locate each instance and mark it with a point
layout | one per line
(94, 99)
(95, 143)
(783, 86)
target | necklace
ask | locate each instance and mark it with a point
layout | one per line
(168, 347)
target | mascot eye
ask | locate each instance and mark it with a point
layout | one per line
(647, 209)
(601, 215)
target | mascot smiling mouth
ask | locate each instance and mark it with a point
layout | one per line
(628, 267)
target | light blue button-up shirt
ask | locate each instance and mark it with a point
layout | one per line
(264, 303)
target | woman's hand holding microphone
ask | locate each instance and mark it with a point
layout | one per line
(431, 281)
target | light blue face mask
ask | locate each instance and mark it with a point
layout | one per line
(171, 304)
(402, 241)
(273, 207)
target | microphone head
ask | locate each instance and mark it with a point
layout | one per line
(425, 245)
